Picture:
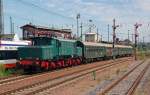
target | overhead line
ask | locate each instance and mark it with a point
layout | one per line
(48, 11)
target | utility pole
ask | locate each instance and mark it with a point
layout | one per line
(101, 37)
(128, 37)
(143, 42)
(81, 30)
(136, 26)
(11, 26)
(114, 36)
(143, 39)
(108, 32)
(132, 38)
(90, 26)
(78, 17)
(1, 18)
(97, 34)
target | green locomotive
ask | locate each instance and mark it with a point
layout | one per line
(52, 53)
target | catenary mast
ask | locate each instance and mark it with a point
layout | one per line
(1, 18)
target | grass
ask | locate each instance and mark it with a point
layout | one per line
(4, 72)
(143, 54)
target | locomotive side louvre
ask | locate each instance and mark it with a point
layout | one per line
(36, 52)
(67, 48)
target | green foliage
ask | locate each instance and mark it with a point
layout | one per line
(147, 53)
(142, 54)
(4, 72)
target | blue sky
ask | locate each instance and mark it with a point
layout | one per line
(62, 13)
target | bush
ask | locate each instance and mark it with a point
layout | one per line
(2, 70)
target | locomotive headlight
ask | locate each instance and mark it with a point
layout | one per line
(20, 58)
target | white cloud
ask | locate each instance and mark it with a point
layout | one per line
(126, 12)
(144, 4)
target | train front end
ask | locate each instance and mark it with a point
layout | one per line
(9, 52)
(37, 56)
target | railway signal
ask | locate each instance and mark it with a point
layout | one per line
(136, 26)
(1, 18)
(114, 36)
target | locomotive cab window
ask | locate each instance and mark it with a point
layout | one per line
(41, 41)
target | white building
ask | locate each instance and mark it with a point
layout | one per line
(91, 37)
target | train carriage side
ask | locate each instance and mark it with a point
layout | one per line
(125, 50)
(129, 50)
(109, 51)
(92, 51)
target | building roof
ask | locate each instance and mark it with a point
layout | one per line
(90, 33)
(105, 45)
(46, 28)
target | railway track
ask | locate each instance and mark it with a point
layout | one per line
(21, 83)
(9, 79)
(127, 84)
(36, 88)
(6, 77)
(137, 81)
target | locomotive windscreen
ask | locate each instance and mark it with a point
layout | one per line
(41, 41)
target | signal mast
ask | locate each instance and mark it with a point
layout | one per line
(136, 26)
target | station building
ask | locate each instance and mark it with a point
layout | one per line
(92, 37)
(30, 31)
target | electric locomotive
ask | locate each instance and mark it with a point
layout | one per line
(49, 53)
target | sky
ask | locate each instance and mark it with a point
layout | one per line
(62, 14)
